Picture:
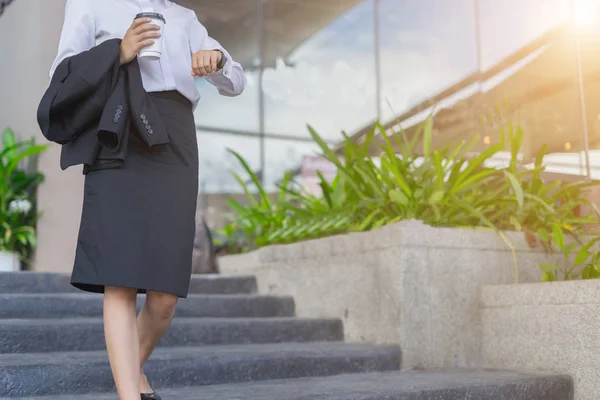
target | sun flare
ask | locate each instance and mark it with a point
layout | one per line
(585, 13)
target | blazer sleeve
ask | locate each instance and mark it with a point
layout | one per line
(78, 92)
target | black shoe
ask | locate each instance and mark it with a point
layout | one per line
(151, 396)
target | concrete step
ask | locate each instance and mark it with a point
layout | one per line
(34, 282)
(23, 375)
(412, 385)
(43, 282)
(84, 334)
(71, 305)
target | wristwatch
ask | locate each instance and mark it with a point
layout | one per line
(221, 63)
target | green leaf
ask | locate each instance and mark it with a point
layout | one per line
(558, 237)
(548, 267)
(548, 277)
(543, 234)
(287, 179)
(474, 180)
(389, 165)
(570, 249)
(547, 207)
(325, 188)
(516, 188)
(245, 188)
(581, 256)
(8, 138)
(537, 182)
(436, 197)
(399, 197)
(515, 222)
(368, 221)
(427, 136)
(590, 272)
(266, 201)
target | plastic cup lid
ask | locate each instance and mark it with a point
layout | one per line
(152, 15)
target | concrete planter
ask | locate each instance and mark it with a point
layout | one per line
(406, 283)
(9, 261)
(545, 327)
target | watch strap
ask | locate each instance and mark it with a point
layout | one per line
(221, 63)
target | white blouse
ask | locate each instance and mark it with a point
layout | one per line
(91, 22)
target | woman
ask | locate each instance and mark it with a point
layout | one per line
(137, 227)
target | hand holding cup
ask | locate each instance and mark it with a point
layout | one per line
(140, 34)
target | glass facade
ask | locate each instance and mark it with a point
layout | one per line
(341, 65)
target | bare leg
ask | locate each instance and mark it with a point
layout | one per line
(153, 321)
(121, 334)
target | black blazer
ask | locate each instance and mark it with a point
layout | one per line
(92, 106)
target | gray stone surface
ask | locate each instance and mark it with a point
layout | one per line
(548, 293)
(87, 372)
(448, 385)
(405, 283)
(81, 334)
(545, 327)
(58, 305)
(42, 282)
(219, 284)
(34, 282)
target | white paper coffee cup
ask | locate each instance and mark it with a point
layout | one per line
(154, 51)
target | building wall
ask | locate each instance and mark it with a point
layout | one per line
(33, 27)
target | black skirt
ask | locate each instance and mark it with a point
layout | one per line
(138, 221)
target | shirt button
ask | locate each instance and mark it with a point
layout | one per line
(120, 107)
(143, 116)
(150, 131)
(115, 120)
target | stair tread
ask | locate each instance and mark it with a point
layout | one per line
(87, 334)
(176, 321)
(448, 385)
(73, 305)
(33, 274)
(48, 282)
(81, 295)
(213, 352)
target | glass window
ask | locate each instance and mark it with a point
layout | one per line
(216, 161)
(284, 155)
(587, 22)
(319, 66)
(235, 28)
(536, 64)
(508, 25)
(239, 113)
(426, 47)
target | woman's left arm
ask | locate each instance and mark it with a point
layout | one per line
(230, 79)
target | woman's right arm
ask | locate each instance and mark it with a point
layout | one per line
(78, 33)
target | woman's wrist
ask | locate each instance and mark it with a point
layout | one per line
(222, 60)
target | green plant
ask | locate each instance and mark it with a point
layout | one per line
(288, 217)
(18, 182)
(412, 180)
(570, 257)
